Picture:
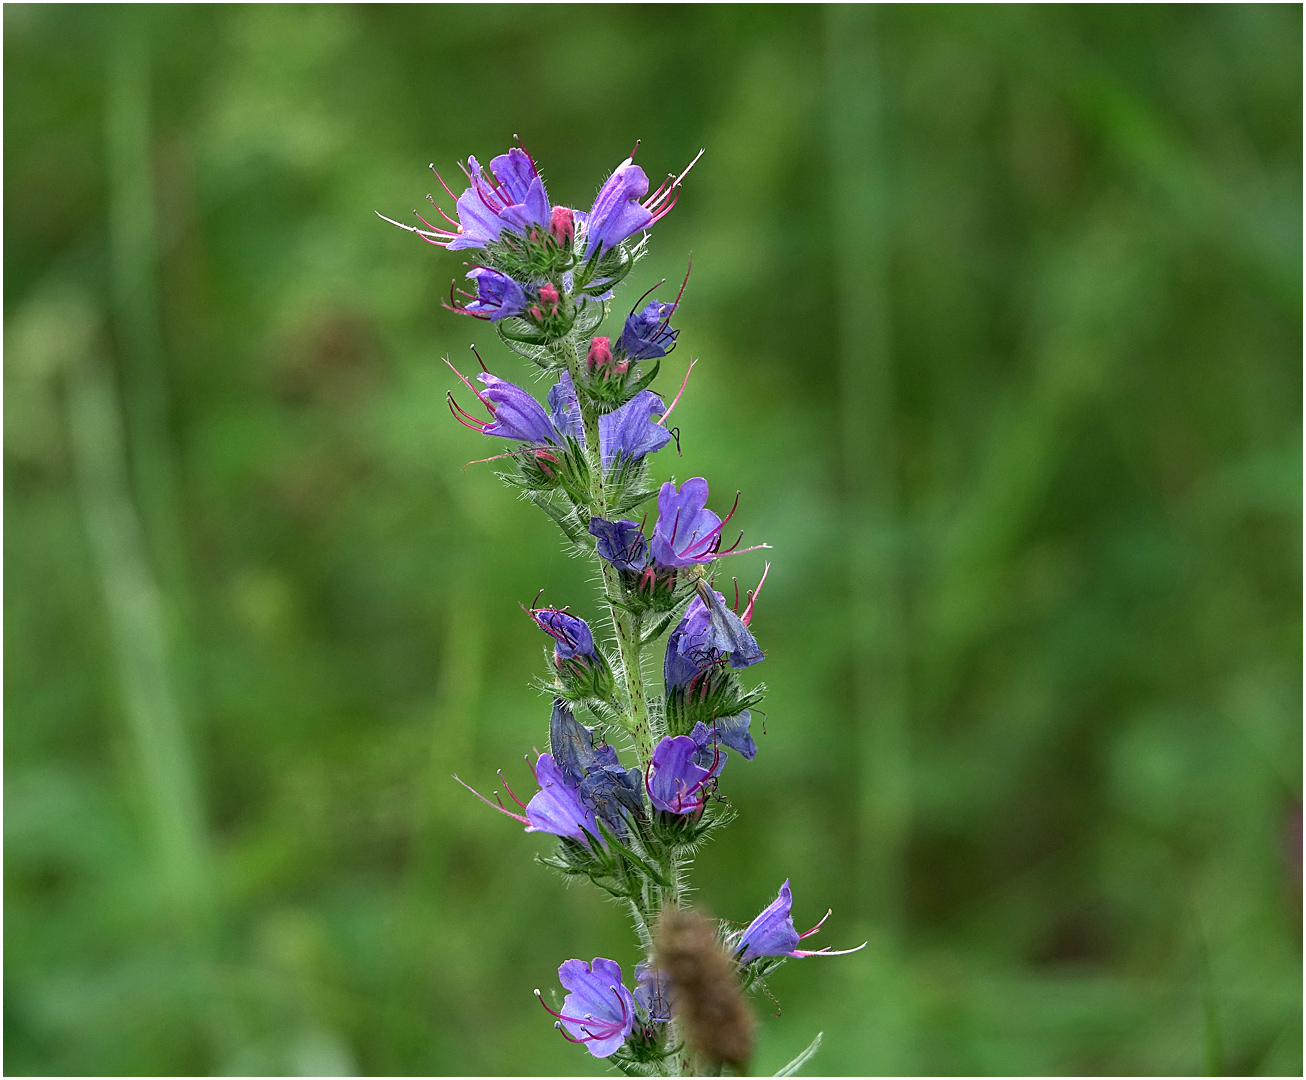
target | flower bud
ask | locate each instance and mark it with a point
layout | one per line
(562, 225)
(549, 298)
(600, 354)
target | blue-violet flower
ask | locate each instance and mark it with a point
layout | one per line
(599, 1011)
(676, 782)
(772, 933)
(596, 773)
(648, 333)
(687, 533)
(497, 295)
(618, 213)
(653, 992)
(621, 542)
(557, 808)
(627, 433)
(573, 636)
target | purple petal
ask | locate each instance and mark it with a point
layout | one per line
(616, 213)
(556, 807)
(515, 174)
(629, 431)
(621, 543)
(598, 1010)
(676, 783)
(517, 415)
(772, 933)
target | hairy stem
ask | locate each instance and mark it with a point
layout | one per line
(627, 625)
(629, 630)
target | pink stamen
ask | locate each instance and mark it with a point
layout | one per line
(465, 418)
(463, 378)
(496, 457)
(523, 806)
(818, 926)
(704, 544)
(427, 223)
(731, 549)
(608, 1028)
(828, 952)
(440, 210)
(752, 598)
(493, 806)
(674, 401)
(443, 184)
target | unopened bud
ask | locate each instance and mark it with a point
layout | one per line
(600, 353)
(562, 225)
(549, 297)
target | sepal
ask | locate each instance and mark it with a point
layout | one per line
(716, 694)
(551, 468)
(581, 680)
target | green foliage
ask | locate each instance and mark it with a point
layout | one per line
(1000, 319)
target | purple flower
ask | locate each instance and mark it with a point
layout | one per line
(596, 772)
(676, 782)
(599, 1011)
(772, 933)
(626, 433)
(728, 731)
(687, 533)
(557, 808)
(572, 634)
(617, 212)
(514, 414)
(653, 992)
(517, 415)
(497, 295)
(629, 433)
(648, 333)
(509, 196)
(565, 409)
(622, 543)
(708, 635)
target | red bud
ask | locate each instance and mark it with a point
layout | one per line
(562, 225)
(549, 297)
(600, 353)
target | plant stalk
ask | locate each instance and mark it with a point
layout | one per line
(627, 625)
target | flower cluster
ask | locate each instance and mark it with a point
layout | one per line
(544, 276)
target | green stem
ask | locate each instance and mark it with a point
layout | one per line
(629, 631)
(627, 625)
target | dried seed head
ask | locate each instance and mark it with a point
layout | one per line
(705, 992)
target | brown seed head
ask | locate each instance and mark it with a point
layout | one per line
(704, 987)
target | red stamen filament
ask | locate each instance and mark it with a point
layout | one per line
(674, 401)
(752, 597)
(494, 806)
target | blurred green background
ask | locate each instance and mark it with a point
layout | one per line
(999, 312)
